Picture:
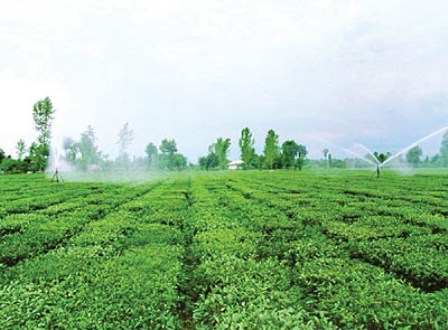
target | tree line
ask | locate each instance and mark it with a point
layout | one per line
(84, 154)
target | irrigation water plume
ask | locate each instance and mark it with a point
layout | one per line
(416, 143)
(380, 164)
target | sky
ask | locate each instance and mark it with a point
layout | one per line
(324, 73)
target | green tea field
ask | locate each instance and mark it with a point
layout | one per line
(226, 250)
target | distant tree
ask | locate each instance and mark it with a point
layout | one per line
(443, 153)
(290, 150)
(152, 155)
(88, 150)
(209, 162)
(300, 161)
(168, 148)
(221, 148)
(382, 157)
(2, 155)
(170, 159)
(43, 114)
(21, 149)
(413, 156)
(125, 138)
(246, 143)
(271, 149)
(70, 149)
(326, 153)
(179, 161)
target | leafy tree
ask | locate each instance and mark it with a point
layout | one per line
(290, 150)
(381, 157)
(152, 155)
(125, 138)
(70, 149)
(271, 149)
(43, 114)
(88, 150)
(168, 147)
(326, 153)
(221, 149)
(444, 150)
(179, 161)
(246, 143)
(209, 162)
(300, 161)
(2, 155)
(413, 156)
(21, 149)
(170, 159)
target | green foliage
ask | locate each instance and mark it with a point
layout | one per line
(152, 155)
(43, 114)
(209, 162)
(246, 143)
(271, 150)
(225, 250)
(413, 156)
(89, 155)
(444, 150)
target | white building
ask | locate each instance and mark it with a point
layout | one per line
(235, 165)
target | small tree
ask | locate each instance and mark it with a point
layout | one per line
(271, 149)
(413, 156)
(246, 143)
(290, 150)
(21, 149)
(168, 149)
(152, 155)
(70, 149)
(2, 155)
(221, 149)
(444, 150)
(326, 152)
(43, 114)
(88, 150)
(300, 161)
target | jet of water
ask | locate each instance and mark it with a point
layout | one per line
(359, 156)
(369, 152)
(416, 143)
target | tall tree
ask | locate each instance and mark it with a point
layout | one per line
(2, 155)
(221, 148)
(168, 148)
(88, 150)
(125, 138)
(246, 143)
(300, 161)
(152, 155)
(70, 148)
(326, 152)
(271, 149)
(43, 114)
(293, 155)
(444, 150)
(21, 149)
(290, 150)
(413, 156)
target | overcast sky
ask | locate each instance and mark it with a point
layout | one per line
(368, 71)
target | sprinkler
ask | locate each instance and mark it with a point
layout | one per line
(57, 177)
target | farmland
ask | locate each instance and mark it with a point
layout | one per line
(281, 249)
